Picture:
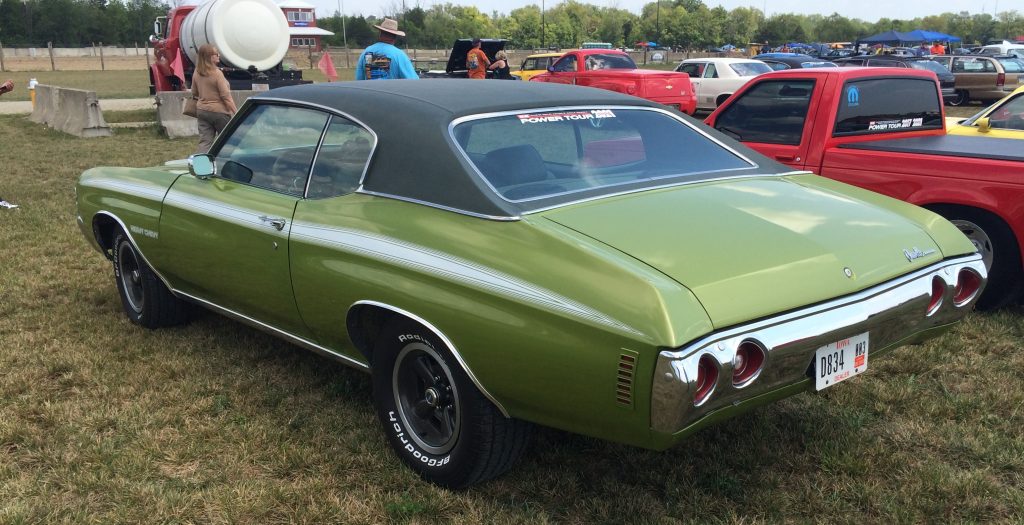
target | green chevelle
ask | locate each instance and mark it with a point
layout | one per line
(527, 254)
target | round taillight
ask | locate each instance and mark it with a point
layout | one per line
(968, 282)
(747, 363)
(707, 378)
(938, 289)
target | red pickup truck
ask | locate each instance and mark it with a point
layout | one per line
(615, 71)
(883, 129)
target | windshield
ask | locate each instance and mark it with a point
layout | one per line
(749, 69)
(1012, 65)
(609, 61)
(540, 154)
(928, 65)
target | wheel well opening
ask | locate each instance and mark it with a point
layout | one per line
(364, 323)
(722, 98)
(104, 228)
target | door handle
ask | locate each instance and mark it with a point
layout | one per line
(785, 158)
(276, 222)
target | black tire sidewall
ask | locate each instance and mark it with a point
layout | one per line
(455, 465)
(1004, 278)
(121, 242)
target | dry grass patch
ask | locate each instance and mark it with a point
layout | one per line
(213, 422)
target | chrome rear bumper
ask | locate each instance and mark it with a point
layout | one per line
(892, 313)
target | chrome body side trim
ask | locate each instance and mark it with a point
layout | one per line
(510, 218)
(294, 339)
(440, 335)
(892, 313)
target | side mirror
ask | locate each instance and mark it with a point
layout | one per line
(983, 125)
(201, 166)
(551, 69)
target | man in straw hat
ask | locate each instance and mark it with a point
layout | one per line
(383, 60)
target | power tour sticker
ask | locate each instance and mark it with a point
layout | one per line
(562, 116)
(884, 125)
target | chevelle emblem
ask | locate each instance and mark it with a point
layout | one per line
(916, 253)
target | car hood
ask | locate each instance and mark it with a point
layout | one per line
(754, 247)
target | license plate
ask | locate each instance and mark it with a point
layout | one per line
(840, 360)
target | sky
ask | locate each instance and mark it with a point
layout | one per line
(869, 10)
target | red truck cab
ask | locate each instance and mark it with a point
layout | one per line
(883, 129)
(615, 71)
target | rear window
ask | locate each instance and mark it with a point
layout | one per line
(1012, 65)
(540, 154)
(822, 63)
(749, 69)
(887, 105)
(928, 65)
(609, 61)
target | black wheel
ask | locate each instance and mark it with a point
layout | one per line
(999, 251)
(436, 420)
(961, 98)
(145, 299)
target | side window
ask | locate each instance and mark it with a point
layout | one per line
(691, 69)
(852, 63)
(1009, 116)
(342, 159)
(777, 66)
(888, 105)
(990, 66)
(771, 112)
(566, 64)
(272, 148)
(710, 72)
(530, 63)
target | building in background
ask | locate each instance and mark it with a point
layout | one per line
(302, 24)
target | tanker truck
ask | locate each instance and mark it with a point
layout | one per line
(251, 35)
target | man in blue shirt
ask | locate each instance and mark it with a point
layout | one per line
(383, 60)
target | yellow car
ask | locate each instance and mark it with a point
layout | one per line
(1004, 119)
(535, 65)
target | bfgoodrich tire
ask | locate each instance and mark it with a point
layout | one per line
(146, 301)
(436, 420)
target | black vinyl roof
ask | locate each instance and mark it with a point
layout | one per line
(416, 158)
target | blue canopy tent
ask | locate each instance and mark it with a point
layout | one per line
(933, 36)
(890, 37)
(913, 37)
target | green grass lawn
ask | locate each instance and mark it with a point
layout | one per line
(105, 422)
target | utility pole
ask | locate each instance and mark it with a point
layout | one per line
(657, 22)
(543, 40)
(344, 33)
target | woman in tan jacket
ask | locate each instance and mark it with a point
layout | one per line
(214, 105)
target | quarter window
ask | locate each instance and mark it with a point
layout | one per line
(342, 159)
(771, 112)
(272, 148)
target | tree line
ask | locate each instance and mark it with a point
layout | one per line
(683, 24)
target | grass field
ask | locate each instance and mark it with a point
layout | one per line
(104, 422)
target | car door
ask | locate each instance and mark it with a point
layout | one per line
(773, 114)
(708, 87)
(974, 74)
(564, 71)
(695, 70)
(225, 238)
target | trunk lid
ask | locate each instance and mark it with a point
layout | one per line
(754, 247)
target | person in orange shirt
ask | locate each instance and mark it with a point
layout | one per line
(477, 62)
(937, 49)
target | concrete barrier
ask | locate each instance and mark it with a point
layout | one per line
(73, 111)
(170, 104)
